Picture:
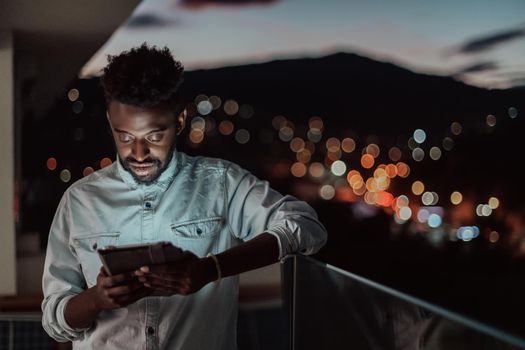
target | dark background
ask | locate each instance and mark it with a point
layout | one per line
(356, 97)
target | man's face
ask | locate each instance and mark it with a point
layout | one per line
(144, 137)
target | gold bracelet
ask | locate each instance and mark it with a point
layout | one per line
(217, 266)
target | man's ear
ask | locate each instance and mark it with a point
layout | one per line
(181, 121)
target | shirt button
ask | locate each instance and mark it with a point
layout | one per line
(147, 205)
(150, 330)
(199, 231)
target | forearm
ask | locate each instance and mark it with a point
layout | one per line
(258, 252)
(82, 309)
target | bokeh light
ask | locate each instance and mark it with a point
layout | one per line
(456, 128)
(215, 102)
(231, 107)
(51, 163)
(204, 107)
(418, 187)
(226, 127)
(513, 112)
(196, 136)
(316, 123)
(405, 213)
(338, 168)
(304, 156)
(429, 198)
(412, 144)
(467, 233)
(314, 135)
(104, 162)
(422, 215)
(354, 178)
(198, 123)
(435, 153)
(448, 143)
(73, 95)
(297, 144)
(298, 169)
(391, 170)
(402, 201)
(367, 161)
(394, 154)
(65, 175)
(78, 106)
(286, 133)
(434, 220)
(316, 169)
(384, 199)
(419, 136)
(242, 136)
(403, 170)
(278, 122)
(494, 237)
(491, 120)
(493, 203)
(246, 111)
(327, 192)
(333, 144)
(456, 197)
(418, 154)
(87, 171)
(348, 145)
(373, 150)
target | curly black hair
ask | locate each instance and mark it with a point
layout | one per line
(144, 76)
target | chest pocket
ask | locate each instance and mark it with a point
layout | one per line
(197, 236)
(86, 248)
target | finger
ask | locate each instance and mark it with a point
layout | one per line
(103, 271)
(170, 268)
(165, 278)
(139, 272)
(154, 282)
(173, 253)
(171, 287)
(166, 290)
(124, 289)
(134, 296)
(182, 289)
(115, 280)
(170, 276)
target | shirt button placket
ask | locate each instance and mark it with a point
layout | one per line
(152, 319)
(147, 216)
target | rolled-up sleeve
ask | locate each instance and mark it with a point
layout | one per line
(254, 208)
(62, 278)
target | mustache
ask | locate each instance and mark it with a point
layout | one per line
(145, 161)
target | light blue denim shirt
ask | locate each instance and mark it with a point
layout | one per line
(199, 204)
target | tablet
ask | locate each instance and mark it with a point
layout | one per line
(128, 258)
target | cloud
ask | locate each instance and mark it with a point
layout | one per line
(489, 41)
(199, 4)
(518, 82)
(477, 67)
(148, 20)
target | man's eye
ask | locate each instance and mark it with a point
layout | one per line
(125, 138)
(157, 137)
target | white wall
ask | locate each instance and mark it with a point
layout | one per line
(7, 220)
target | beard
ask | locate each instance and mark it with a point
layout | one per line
(148, 170)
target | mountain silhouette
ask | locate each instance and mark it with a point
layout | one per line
(351, 91)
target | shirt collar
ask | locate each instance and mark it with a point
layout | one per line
(163, 181)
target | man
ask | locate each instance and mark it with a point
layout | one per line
(226, 220)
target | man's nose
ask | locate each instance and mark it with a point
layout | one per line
(140, 151)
